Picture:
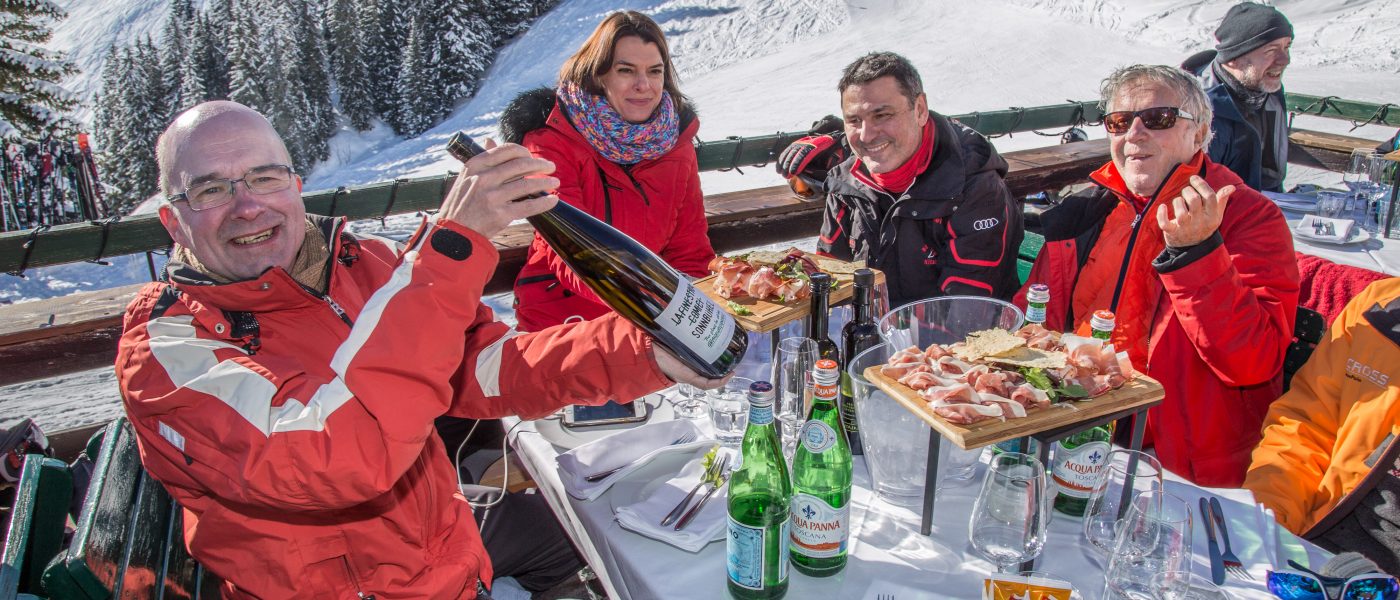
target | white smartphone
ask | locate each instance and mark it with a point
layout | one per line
(608, 413)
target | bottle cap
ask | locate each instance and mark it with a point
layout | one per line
(826, 369)
(761, 392)
(865, 277)
(821, 282)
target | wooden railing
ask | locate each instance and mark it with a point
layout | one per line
(61, 335)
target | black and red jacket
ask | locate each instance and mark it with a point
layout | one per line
(955, 231)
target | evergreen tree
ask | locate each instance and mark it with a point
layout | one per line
(385, 27)
(348, 63)
(419, 92)
(247, 62)
(467, 48)
(204, 70)
(128, 120)
(305, 75)
(507, 18)
(178, 22)
(31, 100)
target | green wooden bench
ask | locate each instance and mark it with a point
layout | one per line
(36, 526)
(130, 536)
(1025, 257)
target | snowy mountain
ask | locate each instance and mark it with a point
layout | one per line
(758, 66)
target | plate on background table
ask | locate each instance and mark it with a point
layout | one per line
(1358, 236)
(567, 438)
(1294, 202)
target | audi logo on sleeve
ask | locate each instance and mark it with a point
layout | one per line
(984, 224)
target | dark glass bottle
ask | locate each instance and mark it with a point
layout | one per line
(638, 284)
(857, 336)
(817, 320)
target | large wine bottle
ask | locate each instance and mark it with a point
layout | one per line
(637, 284)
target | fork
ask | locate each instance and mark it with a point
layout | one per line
(714, 487)
(1232, 562)
(884, 597)
(685, 438)
(716, 468)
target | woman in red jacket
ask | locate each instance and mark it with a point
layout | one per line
(619, 133)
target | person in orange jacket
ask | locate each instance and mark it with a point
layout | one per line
(1197, 267)
(620, 135)
(284, 378)
(1329, 463)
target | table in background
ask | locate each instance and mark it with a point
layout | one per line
(886, 553)
(1378, 254)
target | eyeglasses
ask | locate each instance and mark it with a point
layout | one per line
(1304, 584)
(1157, 117)
(214, 193)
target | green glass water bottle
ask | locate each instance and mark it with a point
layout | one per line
(821, 482)
(1080, 457)
(759, 495)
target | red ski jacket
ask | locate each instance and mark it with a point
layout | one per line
(1223, 314)
(296, 429)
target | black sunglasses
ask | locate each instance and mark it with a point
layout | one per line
(1157, 117)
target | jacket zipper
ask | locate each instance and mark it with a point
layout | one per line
(640, 191)
(1132, 241)
(350, 574)
(339, 312)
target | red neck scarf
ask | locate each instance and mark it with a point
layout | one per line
(897, 181)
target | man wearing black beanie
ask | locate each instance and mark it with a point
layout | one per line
(1243, 77)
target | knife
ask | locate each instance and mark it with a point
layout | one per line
(1217, 563)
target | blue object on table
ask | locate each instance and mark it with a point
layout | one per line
(1301, 583)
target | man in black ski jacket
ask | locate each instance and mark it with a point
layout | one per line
(921, 197)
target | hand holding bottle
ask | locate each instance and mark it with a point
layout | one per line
(484, 196)
(678, 372)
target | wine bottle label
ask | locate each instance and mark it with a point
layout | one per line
(817, 436)
(818, 530)
(697, 322)
(1035, 313)
(746, 553)
(760, 414)
(1075, 469)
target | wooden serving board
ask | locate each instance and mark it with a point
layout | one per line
(1140, 391)
(769, 315)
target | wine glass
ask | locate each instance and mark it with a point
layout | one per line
(1125, 474)
(1153, 538)
(691, 403)
(1184, 585)
(796, 357)
(1011, 513)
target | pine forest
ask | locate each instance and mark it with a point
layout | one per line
(311, 66)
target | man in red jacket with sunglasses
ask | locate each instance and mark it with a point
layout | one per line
(1197, 267)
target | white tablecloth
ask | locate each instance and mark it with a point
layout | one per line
(886, 556)
(1377, 254)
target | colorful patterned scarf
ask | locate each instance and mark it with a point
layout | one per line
(612, 136)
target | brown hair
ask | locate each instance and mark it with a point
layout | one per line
(595, 56)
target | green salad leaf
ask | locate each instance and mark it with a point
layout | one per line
(738, 309)
(710, 458)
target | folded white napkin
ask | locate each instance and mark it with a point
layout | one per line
(635, 446)
(709, 525)
(1323, 228)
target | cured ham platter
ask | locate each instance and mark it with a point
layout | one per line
(998, 385)
(766, 290)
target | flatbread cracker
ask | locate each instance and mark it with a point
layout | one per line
(1031, 357)
(987, 343)
(837, 267)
